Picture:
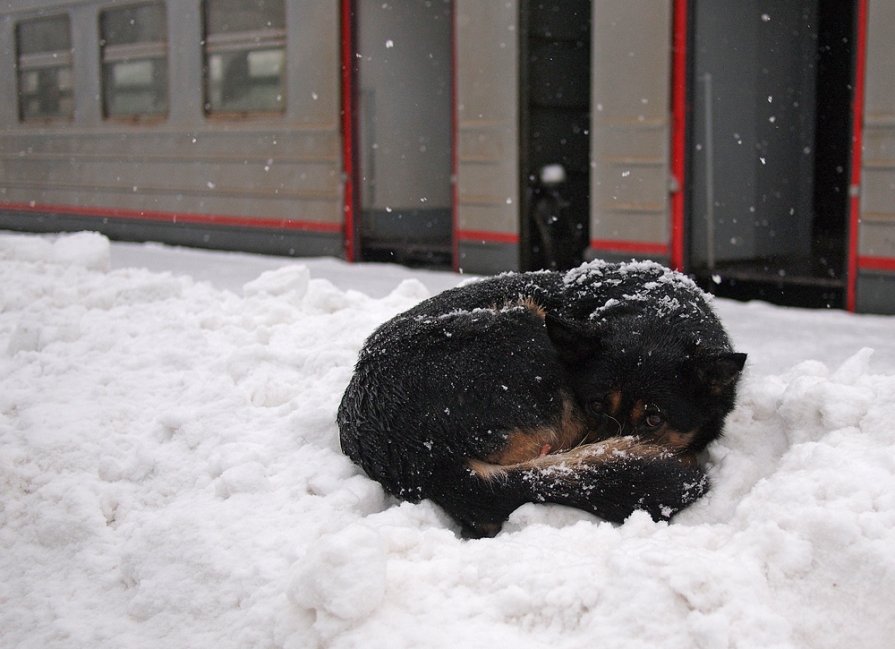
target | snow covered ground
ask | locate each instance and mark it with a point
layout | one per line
(170, 476)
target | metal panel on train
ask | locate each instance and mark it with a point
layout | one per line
(630, 124)
(487, 134)
(876, 245)
(236, 166)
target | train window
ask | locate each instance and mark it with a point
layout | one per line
(245, 56)
(44, 56)
(134, 58)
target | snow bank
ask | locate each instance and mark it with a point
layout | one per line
(170, 476)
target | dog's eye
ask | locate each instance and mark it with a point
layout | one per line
(653, 416)
(596, 407)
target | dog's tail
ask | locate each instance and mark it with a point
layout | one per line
(611, 479)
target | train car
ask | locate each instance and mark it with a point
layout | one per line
(209, 123)
(746, 142)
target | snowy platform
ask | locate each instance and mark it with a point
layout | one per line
(170, 476)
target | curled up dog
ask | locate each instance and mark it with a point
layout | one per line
(593, 388)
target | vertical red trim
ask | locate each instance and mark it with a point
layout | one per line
(455, 162)
(857, 141)
(348, 130)
(678, 130)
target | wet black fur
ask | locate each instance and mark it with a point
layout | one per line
(448, 380)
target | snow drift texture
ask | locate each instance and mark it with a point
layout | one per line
(170, 476)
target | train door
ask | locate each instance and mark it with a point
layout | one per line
(554, 131)
(403, 91)
(770, 142)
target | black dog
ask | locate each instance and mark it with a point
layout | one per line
(593, 388)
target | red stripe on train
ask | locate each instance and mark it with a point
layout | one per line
(876, 263)
(484, 236)
(176, 217)
(636, 247)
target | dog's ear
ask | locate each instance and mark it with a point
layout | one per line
(718, 371)
(574, 341)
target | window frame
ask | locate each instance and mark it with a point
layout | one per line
(59, 59)
(133, 52)
(263, 39)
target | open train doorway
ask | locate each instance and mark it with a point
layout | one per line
(554, 146)
(770, 142)
(403, 121)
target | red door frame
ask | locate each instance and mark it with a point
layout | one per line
(349, 129)
(857, 142)
(455, 156)
(678, 130)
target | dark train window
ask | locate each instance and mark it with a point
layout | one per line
(134, 58)
(44, 56)
(245, 56)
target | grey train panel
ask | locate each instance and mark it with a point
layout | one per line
(487, 86)
(403, 139)
(85, 171)
(877, 237)
(313, 55)
(487, 258)
(876, 293)
(877, 234)
(404, 96)
(630, 120)
(8, 89)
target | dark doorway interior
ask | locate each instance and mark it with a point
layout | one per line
(770, 136)
(832, 142)
(554, 131)
(404, 123)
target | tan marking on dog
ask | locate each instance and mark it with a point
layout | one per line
(614, 399)
(523, 445)
(638, 412)
(608, 450)
(674, 439)
(530, 304)
(527, 444)
(486, 470)
(611, 448)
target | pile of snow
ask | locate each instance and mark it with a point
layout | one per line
(170, 475)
